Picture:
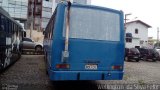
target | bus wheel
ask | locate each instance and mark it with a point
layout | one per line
(38, 48)
(1, 66)
(7, 58)
(46, 63)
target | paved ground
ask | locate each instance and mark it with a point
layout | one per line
(143, 72)
(29, 74)
(28, 71)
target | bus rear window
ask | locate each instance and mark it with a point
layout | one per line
(95, 24)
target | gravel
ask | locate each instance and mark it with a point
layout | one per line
(29, 73)
(143, 72)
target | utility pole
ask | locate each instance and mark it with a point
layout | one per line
(157, 34)
(31, 27)
(125, 21)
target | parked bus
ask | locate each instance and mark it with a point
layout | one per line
(84, 42)
(11, 34)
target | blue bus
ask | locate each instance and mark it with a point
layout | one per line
(84, 42)
(11, 34)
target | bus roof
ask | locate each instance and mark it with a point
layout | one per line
(92, 6)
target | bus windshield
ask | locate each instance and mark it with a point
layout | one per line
(95, 24)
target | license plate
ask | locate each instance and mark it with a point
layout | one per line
(91, 67)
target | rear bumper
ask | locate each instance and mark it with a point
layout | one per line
(134, 57)
(85, 75)
(151, 57)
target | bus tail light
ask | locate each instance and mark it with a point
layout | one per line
(62, 66)
(117, 67)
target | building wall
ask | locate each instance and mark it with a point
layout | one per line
(17, 9)
(40, 19)
(34, 14)
(48, 8)
(142, 33)
(46, 13)
(36, 36)
(82, 1)
(135, 42)
(142, 30)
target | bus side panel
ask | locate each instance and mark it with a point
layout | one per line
(51, 46)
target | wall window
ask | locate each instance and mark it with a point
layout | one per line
(47, 9)
(136, 31)
(129, 37)
(141, 41)
(129, 40)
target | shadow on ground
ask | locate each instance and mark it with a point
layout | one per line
(74, 85)
(56, 85)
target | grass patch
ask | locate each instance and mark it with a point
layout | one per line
(125, 77)
(141, 82)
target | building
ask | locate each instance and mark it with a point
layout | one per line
(34, 14)
(152, 41)
(39, 13)
(81, 1)
(17, 9)
(46, 12)
(137, 34)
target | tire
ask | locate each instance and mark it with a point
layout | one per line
(45, 59)
(47, 72)
(38, 48)
(1, 67)
(154, 60)
(137, 60)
